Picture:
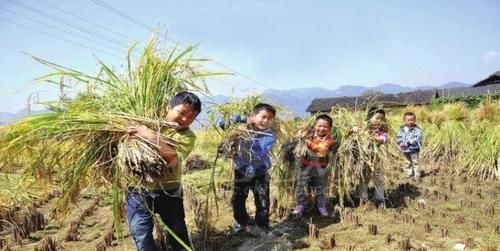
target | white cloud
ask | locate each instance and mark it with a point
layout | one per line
(490, 57)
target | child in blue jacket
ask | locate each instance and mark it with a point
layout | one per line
(252, 163)
(409, 140)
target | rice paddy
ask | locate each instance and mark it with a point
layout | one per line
(63, 173)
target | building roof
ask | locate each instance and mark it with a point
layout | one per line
(469, 91)
(361, 102)
(491, 80)
(401, 99)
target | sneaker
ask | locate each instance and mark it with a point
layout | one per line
(238, 229)
(298, 209)
(323, 211)
(380, 204)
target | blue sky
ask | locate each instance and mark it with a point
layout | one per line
(280, 44)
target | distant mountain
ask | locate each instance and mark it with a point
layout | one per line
(454, 85)
(7, 117)
(391, 88)
(445, 86)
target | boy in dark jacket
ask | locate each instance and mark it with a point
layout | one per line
(252, 163)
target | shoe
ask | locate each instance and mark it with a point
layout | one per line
(298, 209)
(323, 211)
(380, 204)
(238, 229)
(274, 233)
(364, 202)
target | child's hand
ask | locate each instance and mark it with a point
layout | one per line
(142, 132)
(355, 129)
(243, 127)
(308, 141)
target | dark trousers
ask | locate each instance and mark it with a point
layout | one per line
(314, 178)
(259, 185)
(140, 220)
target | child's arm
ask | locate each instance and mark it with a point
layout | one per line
(418, 136)
(166, 151)
(400, 137)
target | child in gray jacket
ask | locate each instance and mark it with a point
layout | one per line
(409, 139)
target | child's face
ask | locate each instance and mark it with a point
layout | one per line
(182, 114)
(410, 120)
(377, 118)
(375, 121)
(322, 127)
(262, 119)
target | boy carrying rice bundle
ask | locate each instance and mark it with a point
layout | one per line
(312, 166)
(164, 196)
(116, 130)
(251, 169)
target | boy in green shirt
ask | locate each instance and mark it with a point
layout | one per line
(164, 197)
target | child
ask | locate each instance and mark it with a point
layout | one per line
(164, 198)
(313, 165)
(409, 139)
(252, 163)
(377, 128)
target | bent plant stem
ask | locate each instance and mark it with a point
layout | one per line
(211, 188)
(169, 230)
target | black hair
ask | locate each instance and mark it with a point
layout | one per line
(263, 107)
(326, 118)
(374, 110)
(186, 98)
(409, 114)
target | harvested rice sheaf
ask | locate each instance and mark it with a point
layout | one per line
(483, 158)
(88, 134)
(358, 154)
(447, 143)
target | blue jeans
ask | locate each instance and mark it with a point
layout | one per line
(140, 220)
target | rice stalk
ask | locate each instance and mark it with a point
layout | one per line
(87, 135)
(293, 149)
(482, 160)
(447, 143)
(358, 154)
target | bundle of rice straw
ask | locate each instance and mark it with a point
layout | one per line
(87, 135)
(358, 154)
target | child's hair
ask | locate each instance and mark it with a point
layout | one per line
(409, 114)
(326, 118)
(187, 98)
(374, 110)
(263, 107)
